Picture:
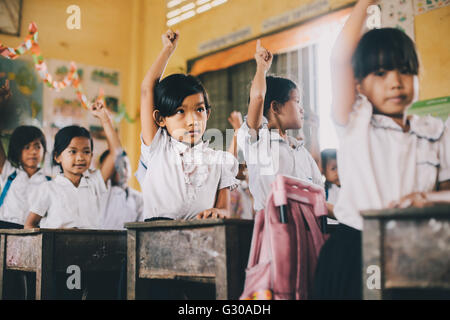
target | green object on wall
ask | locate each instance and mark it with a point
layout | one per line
(437, 107)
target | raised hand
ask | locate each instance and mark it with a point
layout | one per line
(99, 110)
(170, 40)
(263, 57)
(235, 119)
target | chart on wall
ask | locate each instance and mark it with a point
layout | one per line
(422, 6)
(398, 14)
(63, 108)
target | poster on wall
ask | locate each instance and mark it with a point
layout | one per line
(422, 6)
(398, 14)
(63, 108)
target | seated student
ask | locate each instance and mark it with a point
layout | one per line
(21, 175)
(73, 198)
(241, 197)
(185, 178)
(121, 204)
(332, 183)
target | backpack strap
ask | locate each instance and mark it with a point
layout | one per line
(48, 178)
(11, 178)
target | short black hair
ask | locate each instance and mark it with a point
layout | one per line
(386, 48)
(63, 138)
(326, 155)
(20, 137)
(279, 90)
(105, 154)
(172, 90)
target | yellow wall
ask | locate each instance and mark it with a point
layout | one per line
(126, 35)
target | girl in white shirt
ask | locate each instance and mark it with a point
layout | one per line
(268, 151)
(184, 178)
(72, 199)
(386, 159)
(20, 175)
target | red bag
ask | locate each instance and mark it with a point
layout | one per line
(286, 242)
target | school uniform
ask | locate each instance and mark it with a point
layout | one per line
(377, 163)
(271, 155)
(119, 206)
(18, 194)
(62, 205)
(181, 181)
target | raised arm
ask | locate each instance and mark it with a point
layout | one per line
(258, 89)
(235, 119)
(99, 110)
(342, 78)
(149, 127)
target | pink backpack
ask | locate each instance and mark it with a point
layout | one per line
(286, 242)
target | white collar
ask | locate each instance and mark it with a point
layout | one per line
(182, 147)
(62, 180)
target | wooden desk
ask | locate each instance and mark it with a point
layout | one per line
(47, 251)
(411, 247)
(214, 251)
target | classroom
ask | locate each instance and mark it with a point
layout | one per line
(224, 150)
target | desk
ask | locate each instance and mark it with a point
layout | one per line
(212, 251)
(47, 251)
(411, 248)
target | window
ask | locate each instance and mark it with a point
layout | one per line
(180, 10)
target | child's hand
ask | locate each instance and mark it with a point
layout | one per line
(5, 92)
(415, 199)
(99, 110)
(235, 119)
(263, 57)
(212, 213)
(170, 40)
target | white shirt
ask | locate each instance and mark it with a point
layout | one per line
(182, 181)
(118, 208)
(333, 193)
(379, 163)
(271, 155)
(62, 205)
(16, 205)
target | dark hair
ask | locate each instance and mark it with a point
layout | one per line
(172, 90)
(325, 156)
(279, 90)
(105, 154)
(387, 49)
(22, 136)
(63, 138)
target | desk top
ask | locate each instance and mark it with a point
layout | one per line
(188, 223)
(66, 231)
(441, 210)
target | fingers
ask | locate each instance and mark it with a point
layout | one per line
(210, 214)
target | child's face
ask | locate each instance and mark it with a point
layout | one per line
(292, 113)
(32, 154)
(76, 158)
(390, 91)
(331, 172)
(189, 122)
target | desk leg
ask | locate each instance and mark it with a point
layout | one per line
(132, 272)
(2, 263)
(372, 260)
(44, 272)
(227, 263)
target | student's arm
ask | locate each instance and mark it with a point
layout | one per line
(2, 156)
(222, 207)
(149, 127)
(32, 221)
(258, 89)
(99, 110)
(342, 78)
(235, 119)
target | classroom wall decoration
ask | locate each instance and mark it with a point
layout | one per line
(422, 6)
(398, 14)
(10, 16)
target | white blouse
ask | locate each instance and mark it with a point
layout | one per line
(120, 206)
(16, 204)
(181, 181)
(271, 155)
(379, 163)
(62, 205)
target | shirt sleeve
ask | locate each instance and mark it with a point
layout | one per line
(7, 170)
(315, 172)
(159, 141)
(229, 171)
(97, 181)
(40, 199)
(256, 151)
(359, 118)
(444, 154)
